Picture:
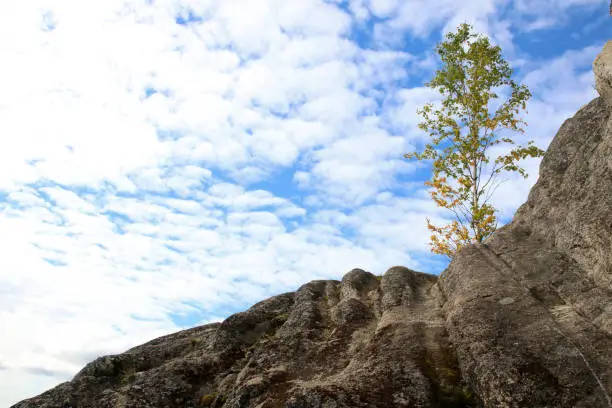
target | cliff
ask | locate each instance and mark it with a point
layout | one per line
(524, 320)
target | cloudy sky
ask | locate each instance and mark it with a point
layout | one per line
(165, 163)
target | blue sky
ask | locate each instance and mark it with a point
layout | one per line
(166, 163)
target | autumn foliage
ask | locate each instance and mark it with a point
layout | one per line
(469, 121)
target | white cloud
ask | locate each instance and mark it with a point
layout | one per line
(422, 17)
(492, 17)
(354, 170)
(541, 8)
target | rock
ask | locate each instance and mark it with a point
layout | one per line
(328, 344)
(602, 68)
(523, 320)
(551, 345)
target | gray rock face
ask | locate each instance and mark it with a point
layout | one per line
(602, 68)
(362, 342)
(524, 320)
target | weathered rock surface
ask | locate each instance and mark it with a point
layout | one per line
(602, 68)
(524, 320)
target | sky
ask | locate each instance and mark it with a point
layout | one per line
(166, 163)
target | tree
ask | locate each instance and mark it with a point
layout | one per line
(471, 119)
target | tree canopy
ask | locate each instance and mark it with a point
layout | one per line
(471, 118)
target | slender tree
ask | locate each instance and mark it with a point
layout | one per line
(471, 119)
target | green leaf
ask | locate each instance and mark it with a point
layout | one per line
(463, 127)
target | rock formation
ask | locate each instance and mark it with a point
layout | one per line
(524, 320)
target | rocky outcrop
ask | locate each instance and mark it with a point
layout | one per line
(524, 320)
(602, 68)
(530, 311)
(363, 341)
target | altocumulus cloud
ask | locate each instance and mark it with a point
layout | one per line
(167, 162)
